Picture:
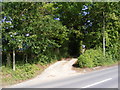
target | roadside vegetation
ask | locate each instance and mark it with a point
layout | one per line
(94, 57)
(23, 72)
(36, 34)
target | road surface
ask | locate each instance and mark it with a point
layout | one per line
(105, 78)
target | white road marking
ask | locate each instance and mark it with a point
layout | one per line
(97, 83)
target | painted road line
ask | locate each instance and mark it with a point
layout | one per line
(97, 83)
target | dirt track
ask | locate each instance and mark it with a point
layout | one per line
(59, 69)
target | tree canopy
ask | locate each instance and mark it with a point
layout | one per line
(40, 28)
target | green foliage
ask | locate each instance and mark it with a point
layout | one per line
(114, 50)
(31, 26)
(70, 15)
(92, 58)
(42, 59)
(31, 29)
(111, 18)
(50, 57)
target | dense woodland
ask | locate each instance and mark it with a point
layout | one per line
(43, 32)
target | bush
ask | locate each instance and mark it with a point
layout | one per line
(115, 52)
(92, 58)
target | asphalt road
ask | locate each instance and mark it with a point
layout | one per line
(106, 78)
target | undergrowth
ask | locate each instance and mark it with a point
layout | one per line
(21, 73)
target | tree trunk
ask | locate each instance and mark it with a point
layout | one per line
(14, 60)
(8, 59)
(26, 57)
(80, 47)
(103, 35)
(57, 50)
